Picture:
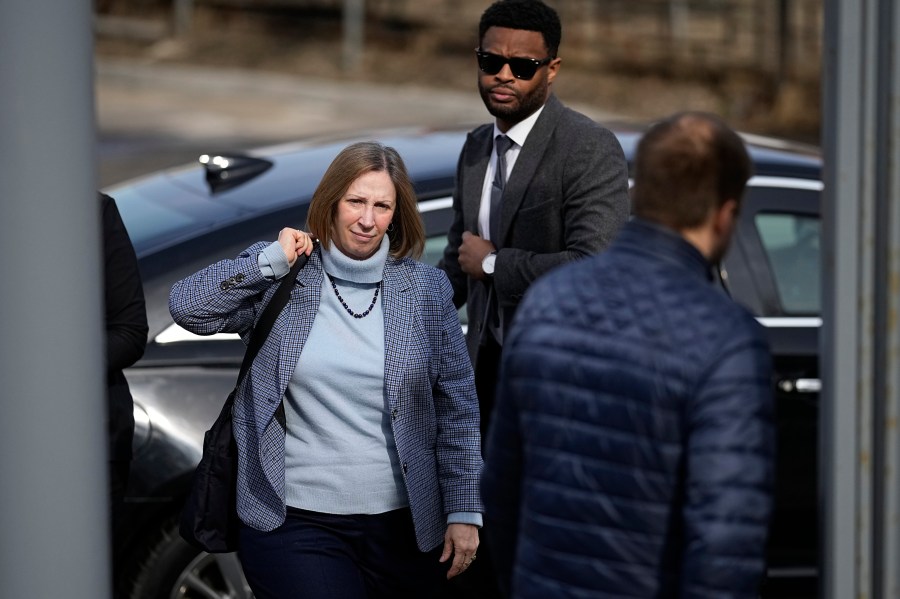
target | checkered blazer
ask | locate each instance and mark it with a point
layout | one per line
(427, 377)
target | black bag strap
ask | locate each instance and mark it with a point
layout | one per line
(270, 313)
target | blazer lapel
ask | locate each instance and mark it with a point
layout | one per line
(298, 317)
(528, 163)
(475, 169)
(398, 306)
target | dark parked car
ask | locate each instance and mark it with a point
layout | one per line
(183, 219)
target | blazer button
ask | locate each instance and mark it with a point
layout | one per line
(405, 468)
(225, 286)
(238, 277)
(394, 413)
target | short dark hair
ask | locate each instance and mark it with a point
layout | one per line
(686, 166)
(407, 235)
(530, 15)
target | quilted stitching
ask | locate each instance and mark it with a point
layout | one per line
(624, 374)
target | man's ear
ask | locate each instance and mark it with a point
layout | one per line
(726, 216)
(553, 69)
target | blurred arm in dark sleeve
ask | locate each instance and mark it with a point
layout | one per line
(126, 314)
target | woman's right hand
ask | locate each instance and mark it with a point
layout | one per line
(294, 242)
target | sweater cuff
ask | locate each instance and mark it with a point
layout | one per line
(272, 262)
(473, 518)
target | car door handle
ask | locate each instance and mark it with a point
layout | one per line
(800, 385)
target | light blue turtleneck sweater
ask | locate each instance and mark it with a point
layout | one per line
(340, 455)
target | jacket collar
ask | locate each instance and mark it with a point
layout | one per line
(311, 273)
(646, 237)
(399, 309)
(528, 163)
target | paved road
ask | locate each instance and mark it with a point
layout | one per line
(153, 116)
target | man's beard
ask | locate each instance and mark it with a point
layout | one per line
(720, 249)
(518, 111)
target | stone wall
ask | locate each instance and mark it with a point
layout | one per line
(781, 37)
(778, 38)
(758, 60)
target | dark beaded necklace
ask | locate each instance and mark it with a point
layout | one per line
(347, 308)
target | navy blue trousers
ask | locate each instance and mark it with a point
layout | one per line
(327, 556)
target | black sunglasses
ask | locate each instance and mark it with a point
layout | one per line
(522, 68)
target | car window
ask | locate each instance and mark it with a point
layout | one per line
(434, 250)
(791, 244)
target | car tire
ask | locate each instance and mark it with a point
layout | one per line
(173, 569)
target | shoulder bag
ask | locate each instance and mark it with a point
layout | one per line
(209, 518)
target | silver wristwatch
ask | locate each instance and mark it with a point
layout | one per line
(487, 264)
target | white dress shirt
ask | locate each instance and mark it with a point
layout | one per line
(518, 133)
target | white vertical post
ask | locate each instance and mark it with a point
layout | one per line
(353, 22)
(679, 19)
(887, 190)
(54, 516)
(859, 447)
(183, 15)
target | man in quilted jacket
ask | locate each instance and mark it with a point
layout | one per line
(632, 450)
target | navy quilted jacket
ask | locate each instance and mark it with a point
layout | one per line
(631, 453)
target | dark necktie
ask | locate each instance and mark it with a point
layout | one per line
(501, 144)
(493, 316)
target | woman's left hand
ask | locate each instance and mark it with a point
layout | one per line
(461, 541)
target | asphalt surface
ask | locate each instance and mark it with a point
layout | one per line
(153, 116)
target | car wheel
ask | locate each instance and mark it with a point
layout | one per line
(173, 569)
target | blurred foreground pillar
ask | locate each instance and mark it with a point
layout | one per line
(354, 17)
(860, 448)
(53, 497)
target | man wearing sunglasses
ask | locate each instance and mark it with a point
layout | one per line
(557, 192)
(540, 186)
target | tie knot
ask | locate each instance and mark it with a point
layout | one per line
(502, 143)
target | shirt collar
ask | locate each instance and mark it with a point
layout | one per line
(519, 132)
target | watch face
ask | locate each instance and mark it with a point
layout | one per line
(487, 265)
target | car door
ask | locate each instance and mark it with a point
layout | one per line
(778, 240)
